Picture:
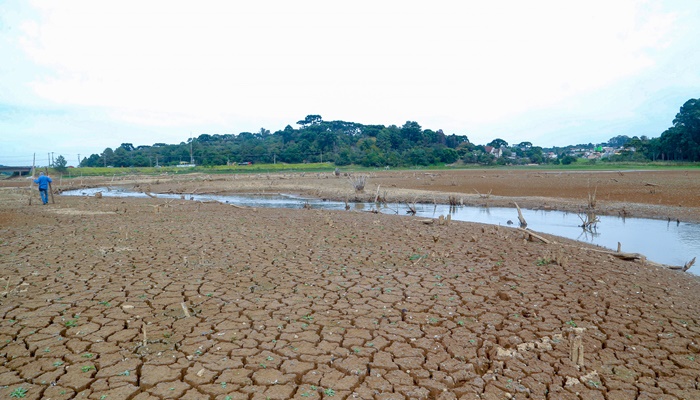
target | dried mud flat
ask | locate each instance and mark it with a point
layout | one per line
(149, 299)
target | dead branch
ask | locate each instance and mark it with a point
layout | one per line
(523, 223)
(533, 235)
(484, 196)
(145, 336)
(358, 183)
(591, 198)
(689, 264)
(622, 256)
(683, 268)
(411, 209)
(184, 308)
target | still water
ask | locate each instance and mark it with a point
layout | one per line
(660, 241)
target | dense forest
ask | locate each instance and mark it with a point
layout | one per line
(344, 143)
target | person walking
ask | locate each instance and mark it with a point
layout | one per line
(43, 181)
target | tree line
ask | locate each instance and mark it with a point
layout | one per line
(681, 142)
(345, 143)
(315, 140)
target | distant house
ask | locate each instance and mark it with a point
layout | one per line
(496, 152)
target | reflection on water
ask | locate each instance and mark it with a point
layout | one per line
(660, 241)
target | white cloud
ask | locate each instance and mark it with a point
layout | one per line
(460, 66)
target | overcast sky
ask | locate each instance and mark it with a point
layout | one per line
(79, 76)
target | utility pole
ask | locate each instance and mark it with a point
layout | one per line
(191, 158)
(48, 156)
(52, 158)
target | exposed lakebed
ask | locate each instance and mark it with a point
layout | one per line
(662, 241)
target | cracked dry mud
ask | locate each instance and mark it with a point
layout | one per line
(119, 299)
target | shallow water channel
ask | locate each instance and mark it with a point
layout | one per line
(664, 242)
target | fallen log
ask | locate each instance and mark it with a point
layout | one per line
(637, 256)
(683, 268)
(533, 235)
(616, 254)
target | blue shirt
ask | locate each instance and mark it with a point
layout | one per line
(43, 182)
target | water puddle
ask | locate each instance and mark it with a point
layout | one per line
(660, 241)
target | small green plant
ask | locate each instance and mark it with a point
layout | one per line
(460, 323)
(87, 368)
(71, 323)
(571, 323)
(329, 392)
(356, 350)
(223, 385)
(308, 317)
(269, 358)
(543, 261)
(105, 303)
(691, 358)
(19, 392)
(57, 363)
(594, 384)
(87, 355)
